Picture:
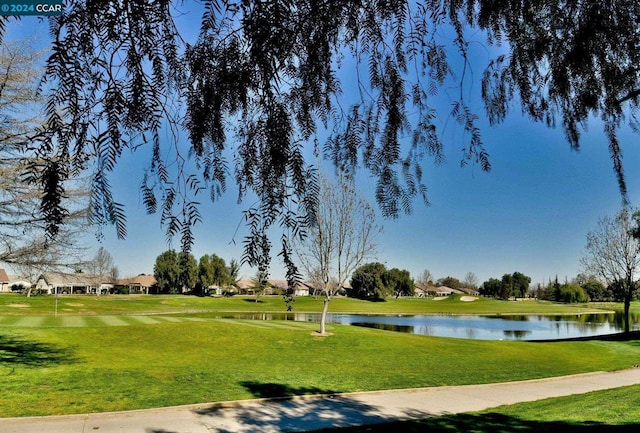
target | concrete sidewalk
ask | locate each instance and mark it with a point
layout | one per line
(316, 412)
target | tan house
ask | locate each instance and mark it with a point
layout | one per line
(248, 287)
(64, 283)
(424, 290)
(139, 284)
(244, 286)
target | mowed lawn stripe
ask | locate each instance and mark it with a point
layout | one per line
(31, 321)
(91, 321)
(270, 324)
(147, 320)
(132, 320)
(165, 319)
(112, 321)
(9, 320)
(74, 322)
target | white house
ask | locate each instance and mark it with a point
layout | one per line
(63, 283)
(8, 282)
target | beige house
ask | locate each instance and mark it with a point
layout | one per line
(424, 290)
(247, 287)
(64, 283)
(139, 284)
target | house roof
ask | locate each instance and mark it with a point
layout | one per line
(244, 284)
(446, 289)
(18, 279)
(422, 287)
(469, 291)
(142, 280)
(434, 289)
(280, 284)
(76, 279)
(4, 278)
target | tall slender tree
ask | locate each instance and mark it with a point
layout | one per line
(341, 238)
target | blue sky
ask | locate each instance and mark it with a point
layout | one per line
(529, 214)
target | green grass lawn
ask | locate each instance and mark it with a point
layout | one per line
(56, 370)
(11, 304)
(127, 352)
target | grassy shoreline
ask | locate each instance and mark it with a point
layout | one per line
(87, 360)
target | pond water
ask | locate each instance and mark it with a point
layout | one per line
(512, 327)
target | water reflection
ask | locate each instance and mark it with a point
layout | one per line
(516, 334)
(511, 327)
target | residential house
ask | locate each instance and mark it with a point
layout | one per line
(139, 284)
(4, 281)
(446, 291)
(19, 282)
(63, 283)
(423, 290)
(244, 287)
(247, 287)
(468, 291)
(302, 289)
(277, 286)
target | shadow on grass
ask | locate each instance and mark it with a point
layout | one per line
(483, 423)
(275, 390)
(19, 351)
(254, 301)
(633, 336)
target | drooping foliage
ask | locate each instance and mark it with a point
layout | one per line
(261, 77)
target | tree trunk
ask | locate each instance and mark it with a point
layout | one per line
(627, 304)
(323, 317)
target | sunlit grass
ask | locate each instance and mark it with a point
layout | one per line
(102, 368)
(75, 305)
(134, 351)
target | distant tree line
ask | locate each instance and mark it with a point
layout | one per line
(514, 285)
(583, 288)
(179, 272)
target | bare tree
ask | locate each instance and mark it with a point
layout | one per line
(614, 254)
(102, 268)
(339, 241)
(23, 241)
(426, 277)
(471, 281)
(114, 274)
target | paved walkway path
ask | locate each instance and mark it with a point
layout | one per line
(315, 412)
